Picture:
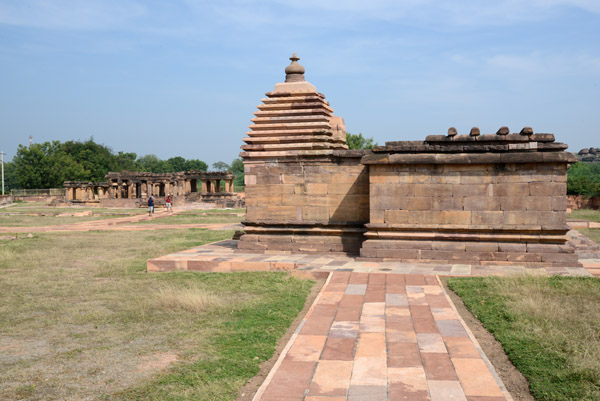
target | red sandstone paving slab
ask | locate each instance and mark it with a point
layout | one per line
(475, 378)
(430, 342)
(306, 348)
(339, 349)
(461, 347)
(407, 383)
(358, 278)
(344, 329)
(291, 380)
(348, 314)
(446, 390)
(331, 378)
(402, 355)
(367, 393)
(369, 371)
(438, 366)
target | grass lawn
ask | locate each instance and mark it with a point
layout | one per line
(591, 233)
(81, 319)
(585, 214)
(200, 217)
(29, 214)
(548, 326)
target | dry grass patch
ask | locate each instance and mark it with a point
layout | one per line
(548, 326)
(192, 299)
(78, 318)
(211, 216)
(29, 214)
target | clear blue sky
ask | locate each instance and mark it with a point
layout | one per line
(182, 78)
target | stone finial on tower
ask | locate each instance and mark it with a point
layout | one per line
(294, 72)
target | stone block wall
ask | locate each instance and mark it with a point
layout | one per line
(306, 205)
(489, 206)
(575, 202)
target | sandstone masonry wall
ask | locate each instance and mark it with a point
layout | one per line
(500, 200)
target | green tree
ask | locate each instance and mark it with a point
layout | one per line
(359, 141)
(10, 176)
(237, 168)
(124, 161)
(195, 164)
(175, 164)
(221, 166)
(46, 165)
(584, 179)
(151, 163)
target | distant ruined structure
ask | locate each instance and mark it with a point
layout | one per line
(490, 199)
(589, 155)
(127, 188)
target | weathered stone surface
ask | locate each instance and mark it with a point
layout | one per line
(476, 198)
(503, 131)
(527, 131)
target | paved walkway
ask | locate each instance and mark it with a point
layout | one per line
(379, 337)
(223, 257)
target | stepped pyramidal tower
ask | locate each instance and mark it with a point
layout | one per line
(294, 117)
(305, 191)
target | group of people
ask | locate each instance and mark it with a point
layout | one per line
(151, 204)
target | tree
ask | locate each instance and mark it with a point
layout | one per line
(221, 166)
(124, 161)
(175, 164)
(46, 165)
(584, 179)
(195, 164)
(151, 163)
(237, 168)
(9, 176)
(359, 141)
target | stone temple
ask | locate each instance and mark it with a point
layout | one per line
(475, 199)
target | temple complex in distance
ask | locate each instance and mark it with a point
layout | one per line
(132, 188)
(495, 199)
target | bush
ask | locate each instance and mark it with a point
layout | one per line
(584, 179)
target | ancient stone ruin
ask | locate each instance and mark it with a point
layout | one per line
(589, 155)
(127, 188)
(477, 198)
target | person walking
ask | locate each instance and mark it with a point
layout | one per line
(150, 205)
(168, 203)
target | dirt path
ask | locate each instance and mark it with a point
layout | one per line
(125, 223)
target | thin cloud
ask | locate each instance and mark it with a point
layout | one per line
(64, 14)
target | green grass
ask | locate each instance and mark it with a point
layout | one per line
(585, 214)
(199, 217)
(591, 233)
(30, 214)
(548, 327)
(81, 319)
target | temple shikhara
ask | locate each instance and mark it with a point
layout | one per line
(476, 199)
